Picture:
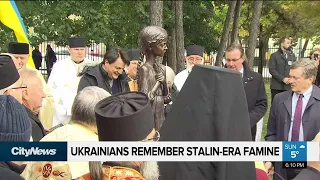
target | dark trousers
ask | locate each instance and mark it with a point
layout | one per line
(274, 92)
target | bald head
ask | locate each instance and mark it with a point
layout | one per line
(32, 96)
(170, 75)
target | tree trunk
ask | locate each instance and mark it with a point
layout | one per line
(179, 36)
(263, 49)
(236, 19)
(156, 17)
(304, 48)
(156, 13)
(253, 33)
(225, 33)
(171, 52)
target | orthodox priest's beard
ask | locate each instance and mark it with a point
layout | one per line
(189, 67)
(150, 170)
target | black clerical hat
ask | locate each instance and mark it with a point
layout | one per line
(124, 117)
(8, 72)
(134, 54)
(18, 48)
(211, 106)
(76, 42)
(195, 50)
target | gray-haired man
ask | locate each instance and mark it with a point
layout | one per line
(294, 114)
(82, 127)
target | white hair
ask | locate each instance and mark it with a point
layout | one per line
(170, 75)
(83, 106)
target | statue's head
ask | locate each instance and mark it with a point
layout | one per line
(154, 39)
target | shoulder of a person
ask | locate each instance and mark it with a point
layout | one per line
(282, 96)
(90, 70)
(277, 53)
(255, 75)
(62, 62)
(316, 90)
(9, 174)
(182, 73)
(54, 135)
(124, 77)
(144, 68)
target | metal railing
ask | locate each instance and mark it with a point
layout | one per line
(96, 52)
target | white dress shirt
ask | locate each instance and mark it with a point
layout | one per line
(305, 99)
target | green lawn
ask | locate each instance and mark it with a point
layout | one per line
(266, 117)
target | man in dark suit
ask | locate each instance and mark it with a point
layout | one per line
(37, 57)
(253, 85)
(32, 97)
(279, 66)
(294, 114)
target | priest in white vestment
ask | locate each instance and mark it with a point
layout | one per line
(194, 56)
(64, 79)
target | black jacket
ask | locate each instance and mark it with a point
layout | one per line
(317, 83)
(216, 112)
(96, 76)
(257, 99)
(9, 170)
(174, 93)
(279, 67)
(38, 131)
(309, 173)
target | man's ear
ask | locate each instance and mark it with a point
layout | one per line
(106, 62)
(25, 93)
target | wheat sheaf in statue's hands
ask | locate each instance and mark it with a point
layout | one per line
(160, 78)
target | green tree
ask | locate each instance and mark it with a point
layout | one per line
(198, 24)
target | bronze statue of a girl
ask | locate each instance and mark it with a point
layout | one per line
(152, 74)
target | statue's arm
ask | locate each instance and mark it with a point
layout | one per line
(143, 80)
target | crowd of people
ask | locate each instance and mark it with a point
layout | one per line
(129, 96)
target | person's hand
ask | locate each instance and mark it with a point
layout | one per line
(160, 78)
(269, 168)
(286, 80)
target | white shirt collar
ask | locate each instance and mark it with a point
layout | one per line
(306, 94)
(241, 71)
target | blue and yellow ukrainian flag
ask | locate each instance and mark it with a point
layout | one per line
(10, 17)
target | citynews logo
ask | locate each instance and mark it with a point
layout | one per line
(21, 151)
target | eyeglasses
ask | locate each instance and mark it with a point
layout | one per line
(194, 59)
(233, 60)
(154, 139)
(21, 87)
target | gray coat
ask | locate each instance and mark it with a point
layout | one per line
(279, 67)
(280, 120)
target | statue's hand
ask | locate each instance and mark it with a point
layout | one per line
(151, 95)
(160, 78)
